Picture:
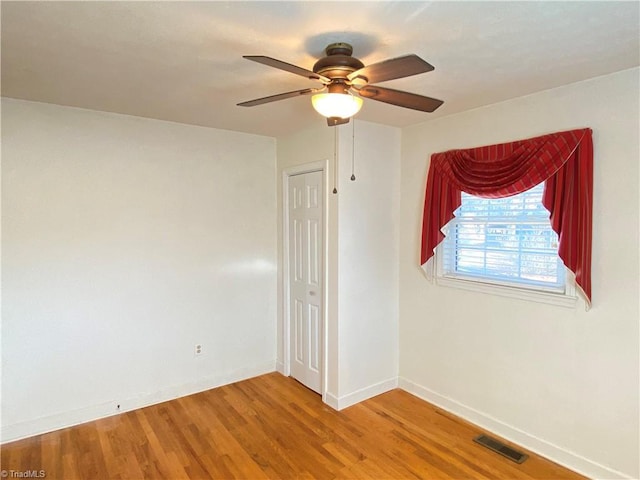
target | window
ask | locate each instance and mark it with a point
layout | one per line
(504, 246)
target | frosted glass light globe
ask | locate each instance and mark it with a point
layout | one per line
(342, 105)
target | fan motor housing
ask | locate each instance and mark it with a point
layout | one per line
(338, 63)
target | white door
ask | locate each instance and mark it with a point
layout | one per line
(306, 278)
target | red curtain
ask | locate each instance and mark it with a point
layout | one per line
(563, 160)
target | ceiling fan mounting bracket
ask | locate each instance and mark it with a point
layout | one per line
(339, 48)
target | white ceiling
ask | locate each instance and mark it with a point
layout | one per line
(182, 61)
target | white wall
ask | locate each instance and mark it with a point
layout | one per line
(362, 254)
(126, 241)
(368, 246)
(561, 381)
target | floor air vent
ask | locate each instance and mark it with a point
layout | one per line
(499, 447)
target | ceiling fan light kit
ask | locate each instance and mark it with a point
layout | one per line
(343, 75)
(341, 105)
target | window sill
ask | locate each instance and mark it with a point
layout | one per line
(559, 299)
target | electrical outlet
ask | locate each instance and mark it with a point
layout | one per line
(198, 349)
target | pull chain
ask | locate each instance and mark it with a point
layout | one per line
(335, 159)
(353, 150)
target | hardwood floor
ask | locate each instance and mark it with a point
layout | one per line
(272, 427)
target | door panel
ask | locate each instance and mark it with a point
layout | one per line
(299, 331)
(298, 251)
(306, 277)
(313, 254)
(314, 344)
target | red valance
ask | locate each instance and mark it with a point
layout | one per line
(563, 160)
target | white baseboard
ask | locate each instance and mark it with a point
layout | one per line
(331, 400)
(280, 367)
(338, 403)
(17, 431)
(543, 448)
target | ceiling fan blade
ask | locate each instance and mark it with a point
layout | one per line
(400, 98)
(287, 67)
(334, 121)
(280, 96)
(393, 68)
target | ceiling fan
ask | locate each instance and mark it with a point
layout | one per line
(342, 75)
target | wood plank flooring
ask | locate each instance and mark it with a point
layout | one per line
(272, 427)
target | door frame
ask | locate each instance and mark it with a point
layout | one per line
(320, 166)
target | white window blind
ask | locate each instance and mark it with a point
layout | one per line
(508, 241)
